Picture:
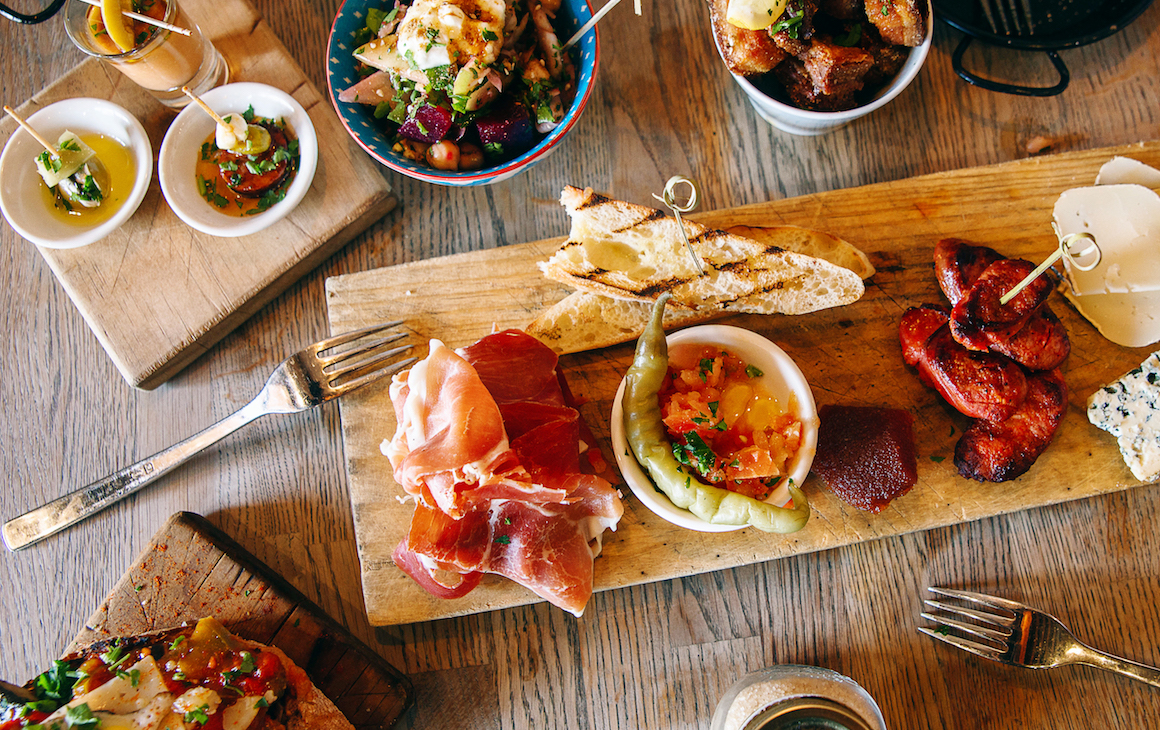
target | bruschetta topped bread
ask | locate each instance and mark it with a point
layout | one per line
(621, 256)
(198, 677)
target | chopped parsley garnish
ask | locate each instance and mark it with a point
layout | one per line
(695, 448)
(249, 115)
(705, 367)
(791, 24)
(503, 539)
(713, 406)
(199, 715)
(70, 145)
(49, 162)
(114, 657)
(753, 372)
(261, 703)
(57, 683)
(246, 667)
(82, 717)
(851, 37)
(489, 36)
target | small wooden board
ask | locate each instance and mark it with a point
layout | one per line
(192, 570)
(157, 293)
(849, 355)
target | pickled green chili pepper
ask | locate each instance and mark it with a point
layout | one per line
(649, 441)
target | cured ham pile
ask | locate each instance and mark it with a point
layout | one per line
(998, 364)
(490, 449)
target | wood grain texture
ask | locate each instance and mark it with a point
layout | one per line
(157, 293)
(191, 570)
(850, 355)
(655, 655)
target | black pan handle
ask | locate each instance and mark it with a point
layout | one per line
(970, 78)
(33, 18)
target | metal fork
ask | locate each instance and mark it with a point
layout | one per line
(325, 370)
(1012, 633)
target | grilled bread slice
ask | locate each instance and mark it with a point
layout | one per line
(186, 678)
(585, 320)
(628, 251)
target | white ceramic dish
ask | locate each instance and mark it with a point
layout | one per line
(803, 122)
(20, 196)
(780, 375)
(182, 145)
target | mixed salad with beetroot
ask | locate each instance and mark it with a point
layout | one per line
(464, 83)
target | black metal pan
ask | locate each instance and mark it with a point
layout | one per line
(1034, 25)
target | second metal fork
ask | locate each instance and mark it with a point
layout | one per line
(1013, 633)
(322, 371)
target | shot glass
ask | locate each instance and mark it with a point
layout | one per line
(162, 61)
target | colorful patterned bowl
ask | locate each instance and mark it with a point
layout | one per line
(372, 136)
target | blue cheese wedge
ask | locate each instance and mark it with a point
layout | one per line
(1129, 409)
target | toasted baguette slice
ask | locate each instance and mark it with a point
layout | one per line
(628, 251)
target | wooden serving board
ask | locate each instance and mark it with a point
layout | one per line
(849, 355)
(157, 293)
(192, 570)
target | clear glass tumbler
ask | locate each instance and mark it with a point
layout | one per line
(796, 697)
(162, 62)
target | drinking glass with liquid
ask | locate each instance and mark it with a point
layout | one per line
(795, 697)
(161, 61)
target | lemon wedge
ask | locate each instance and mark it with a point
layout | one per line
(119, 33)
(754, 14)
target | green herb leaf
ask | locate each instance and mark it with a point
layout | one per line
(503, 539)
(199, 715)
(489, 36)
(82, 717)
(850, 38)
(57, 683)
(753, 372)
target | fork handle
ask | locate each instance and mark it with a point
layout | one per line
(34, 526)
(1126, 667)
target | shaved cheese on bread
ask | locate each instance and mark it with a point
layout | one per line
(186, 678)
(601, 314)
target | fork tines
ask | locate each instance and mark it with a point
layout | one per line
(355, 358)
(981, 627)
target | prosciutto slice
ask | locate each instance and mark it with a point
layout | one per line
(490, 449)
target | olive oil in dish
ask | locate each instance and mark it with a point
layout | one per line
(115, 180)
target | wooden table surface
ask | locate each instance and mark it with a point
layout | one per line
(658, 655)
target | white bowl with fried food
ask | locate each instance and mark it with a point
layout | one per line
(804, 122)
(783, 379)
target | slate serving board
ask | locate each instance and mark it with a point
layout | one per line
(849, 355)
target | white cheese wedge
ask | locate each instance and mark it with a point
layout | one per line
(1125, 221)
(1126, 171)
(240, 714)
(1121, 307)
(71, 154)
(120, 696)
(1129, 409)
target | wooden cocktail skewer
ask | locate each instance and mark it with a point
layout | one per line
(205, 107)
(1062, 251)
(669, 199)
(257, 138)
(35, 135)
(596, 19)
(144, 18)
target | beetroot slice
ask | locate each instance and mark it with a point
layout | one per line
(866, 455)
(428, 124)
(509, 128)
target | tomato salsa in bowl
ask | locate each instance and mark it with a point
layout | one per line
(740, 416)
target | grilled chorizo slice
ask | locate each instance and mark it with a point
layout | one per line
(978, 318)
(997, 451)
